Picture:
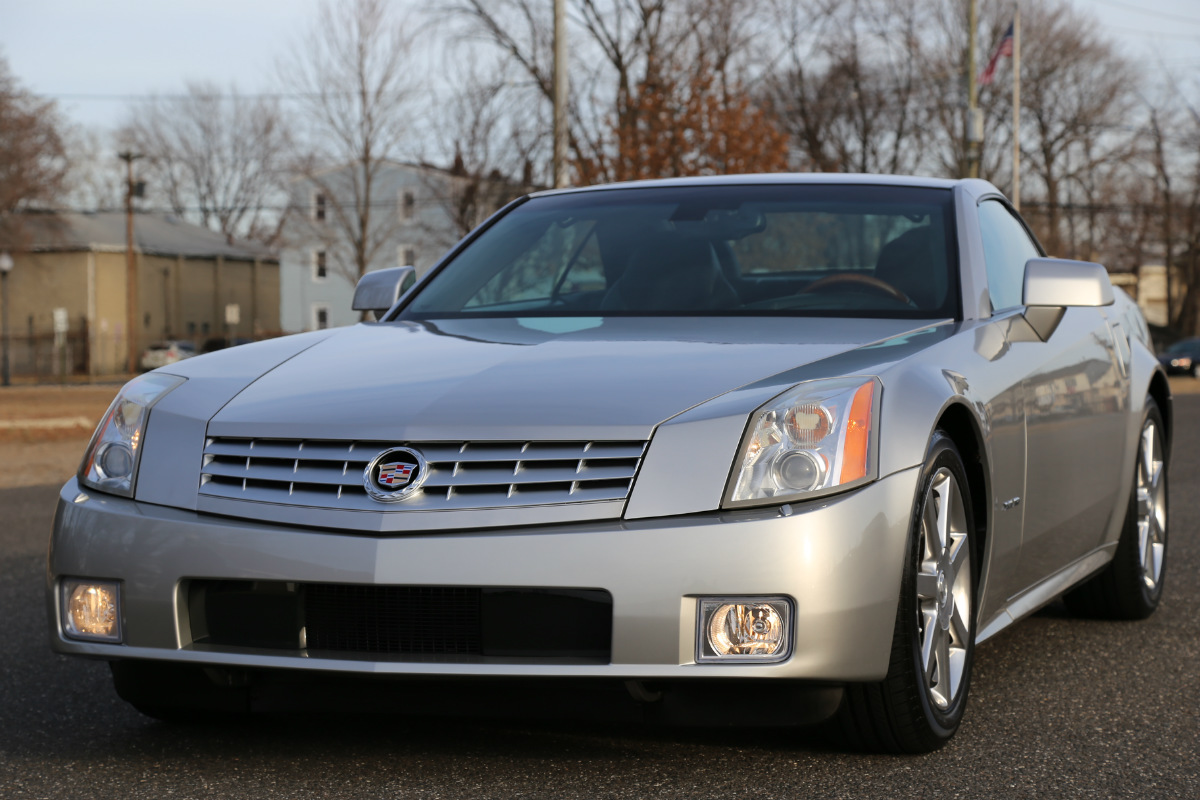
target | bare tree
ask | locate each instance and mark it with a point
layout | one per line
(355, 95)
(215, 157)
(1077, 93)
(32, 158)
(855, 88)
(494, 139)
(658, 87)
(96, 178)
(614, 43)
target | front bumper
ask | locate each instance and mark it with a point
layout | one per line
(839, 559)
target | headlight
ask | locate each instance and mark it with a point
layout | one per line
(111, 460)
(816, 438)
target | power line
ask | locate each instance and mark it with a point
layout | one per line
(1189, 37)
(1143, 11)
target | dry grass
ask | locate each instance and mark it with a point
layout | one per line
(44, 430)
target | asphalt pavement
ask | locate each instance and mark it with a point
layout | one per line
(1060, 708)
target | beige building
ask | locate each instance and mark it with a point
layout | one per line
(190, 281)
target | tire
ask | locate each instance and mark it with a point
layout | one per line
(176, 692)
(918, 706)
(1131, 585)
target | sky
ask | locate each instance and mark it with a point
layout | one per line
(93, 58)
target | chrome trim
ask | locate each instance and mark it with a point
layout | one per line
(707, 601)
(370, 482)
(457, 475)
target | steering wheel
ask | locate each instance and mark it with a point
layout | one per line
(859, 280)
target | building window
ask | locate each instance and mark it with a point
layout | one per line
(320, 316)
(318, 207)
(408, 205)
(320, 268)
(406, 255)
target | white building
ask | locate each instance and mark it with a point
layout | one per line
(417, 213)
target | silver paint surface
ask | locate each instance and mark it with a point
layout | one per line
(1057, 419)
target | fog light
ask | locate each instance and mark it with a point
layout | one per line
(744, 629)
(92, 610)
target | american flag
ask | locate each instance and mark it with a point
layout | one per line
(1004, 48)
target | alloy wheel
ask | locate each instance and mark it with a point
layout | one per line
(944, 590)
(1151, 507)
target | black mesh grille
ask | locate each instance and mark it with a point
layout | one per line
(392, 619)
(400, 621)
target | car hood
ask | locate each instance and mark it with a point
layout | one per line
(527, 379)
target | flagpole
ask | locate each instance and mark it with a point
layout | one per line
(1016, 165)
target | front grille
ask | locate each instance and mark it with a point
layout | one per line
(471, 623)
(392, 619)
(461, 475)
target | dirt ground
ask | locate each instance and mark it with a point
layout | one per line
(44, 430)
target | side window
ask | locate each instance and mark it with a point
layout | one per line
(1006, 248)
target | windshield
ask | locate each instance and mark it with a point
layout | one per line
(810, 250)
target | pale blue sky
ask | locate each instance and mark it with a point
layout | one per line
(92, 56)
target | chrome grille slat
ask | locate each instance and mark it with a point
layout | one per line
(462, 475)
(330, 472)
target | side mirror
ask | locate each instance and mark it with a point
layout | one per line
(379, 290)
(1062, 283)
(1054, 284)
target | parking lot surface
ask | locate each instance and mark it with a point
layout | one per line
(1060, 708)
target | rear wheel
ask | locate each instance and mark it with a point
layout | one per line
(917, 707)
(1131, 586)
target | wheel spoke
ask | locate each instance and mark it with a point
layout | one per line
(1144, 542)
(931, 630)
(959, 554)
(944, 490)
(942, 692)
(959, 628)
(1148, 442)
(956, 662)
(1157, 553)
(929, 535)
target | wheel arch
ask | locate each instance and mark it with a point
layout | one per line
(1160, 390)
(959, 423)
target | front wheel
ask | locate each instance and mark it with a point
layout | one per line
(918, 706)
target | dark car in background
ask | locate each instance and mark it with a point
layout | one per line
(220, 343)
(1182, 358)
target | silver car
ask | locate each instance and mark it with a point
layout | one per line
(778, 448)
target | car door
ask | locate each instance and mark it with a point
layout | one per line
(1074, 396)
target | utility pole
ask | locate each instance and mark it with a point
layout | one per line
(6, 265)
(560, 94)
(131, 275)
(974, 121)
(1016, 65)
